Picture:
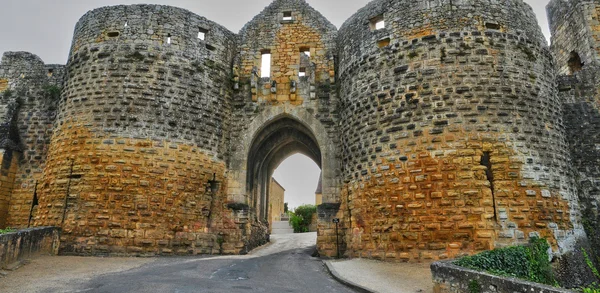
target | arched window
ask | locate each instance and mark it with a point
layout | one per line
(574, 63)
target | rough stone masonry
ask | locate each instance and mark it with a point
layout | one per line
(442, 128)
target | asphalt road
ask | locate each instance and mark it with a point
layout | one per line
(285, 265)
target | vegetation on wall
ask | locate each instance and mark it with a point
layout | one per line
(594, 287)
(52, 91)
(7, 94)
(7, 230)
(301, 218)
(530, 262)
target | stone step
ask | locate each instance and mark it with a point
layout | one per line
(282, 231)
(281, 225)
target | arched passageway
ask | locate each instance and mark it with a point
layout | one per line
(274, 143)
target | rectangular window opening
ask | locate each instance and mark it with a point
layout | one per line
(377, 23)
(202, 34)
(126, 23)
(305, 50)
(265, 68)
(287, 15)
(168, 38)
(302, 72)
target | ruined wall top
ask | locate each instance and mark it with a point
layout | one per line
(273, 15)
(301, 45)
(405, 21)
(153, 24)
(575, 30)
(21, 70)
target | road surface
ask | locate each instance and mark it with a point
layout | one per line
(285, 265)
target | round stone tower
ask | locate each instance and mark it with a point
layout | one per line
(140, 133)
(452, 133)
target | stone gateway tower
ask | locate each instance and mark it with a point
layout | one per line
(438, 127)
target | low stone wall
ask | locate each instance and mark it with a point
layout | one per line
(28, 243)
(449, 278)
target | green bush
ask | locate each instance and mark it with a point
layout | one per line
(526, 262)
(301, 218)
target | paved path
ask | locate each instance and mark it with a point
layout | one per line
(283, 266)
(383, 277)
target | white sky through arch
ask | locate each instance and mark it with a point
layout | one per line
(299, 176)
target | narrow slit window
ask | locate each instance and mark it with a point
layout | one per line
(377, 23)
(168, 38)
(265, 68)
(50, 72)
(302, 72)
(492, 26)
(126, 24)
(202, 34)
(287, 16)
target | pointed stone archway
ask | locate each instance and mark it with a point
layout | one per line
(273, 136)
(278, 140)
(261, 143)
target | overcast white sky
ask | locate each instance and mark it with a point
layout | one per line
(45, 28)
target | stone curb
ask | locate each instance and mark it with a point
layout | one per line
(344, 281)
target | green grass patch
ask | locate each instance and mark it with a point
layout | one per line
(529, 262)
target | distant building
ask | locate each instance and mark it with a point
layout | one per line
(319, 192)
(276, 194)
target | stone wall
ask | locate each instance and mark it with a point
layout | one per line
(30, 100)
(25, 244)
(449, 278)
(284, 113)
(9, 165)
(439, 132)
(451, 131)
(142, 128)
(575, 27)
